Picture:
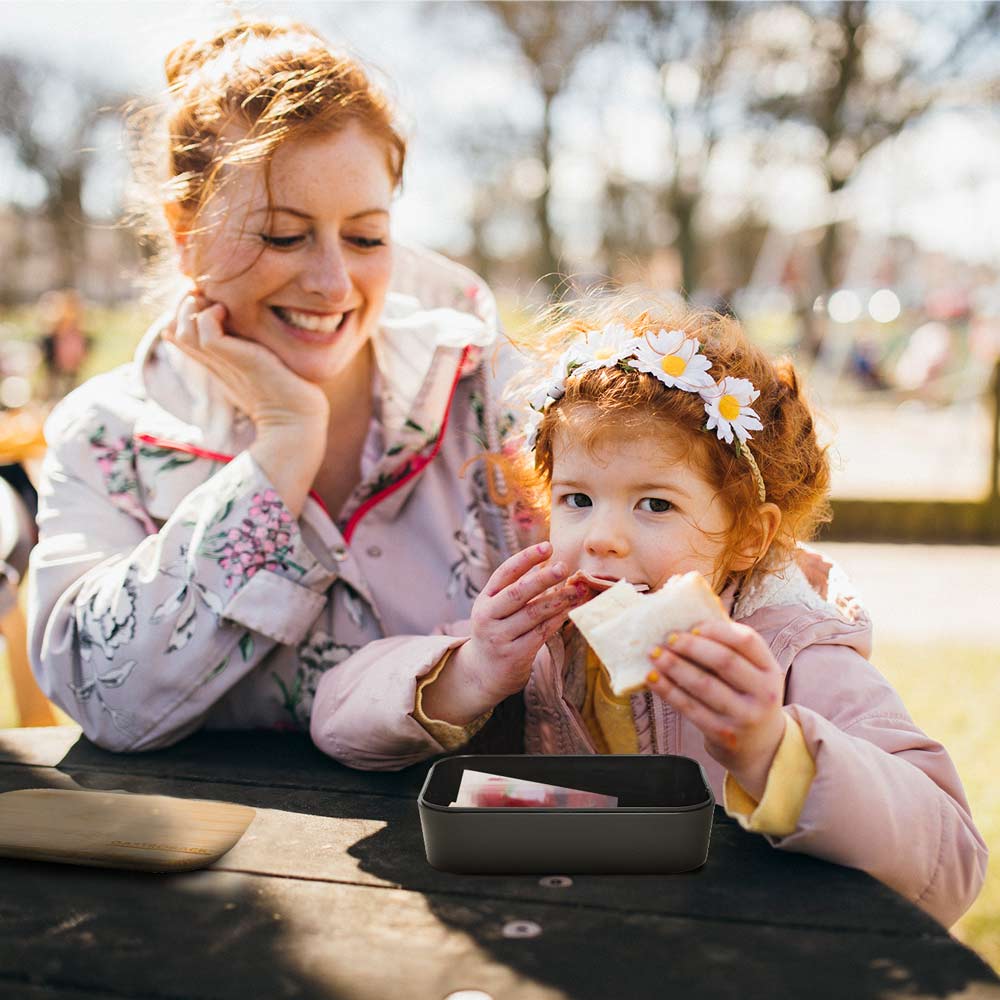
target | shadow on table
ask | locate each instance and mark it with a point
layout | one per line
(590, 943)
(614, 953)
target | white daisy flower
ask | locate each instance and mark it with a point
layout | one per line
(530, 430)
(605, 348)
(675, 360)
(728, 409)
(553, 386)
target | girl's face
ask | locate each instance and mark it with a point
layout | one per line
(305, 271)
(631, 510)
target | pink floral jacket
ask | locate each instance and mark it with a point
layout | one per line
(885, 798)
(171, 589)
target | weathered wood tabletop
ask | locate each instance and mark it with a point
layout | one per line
(329, 895)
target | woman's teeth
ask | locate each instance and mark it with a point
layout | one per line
(314, 322)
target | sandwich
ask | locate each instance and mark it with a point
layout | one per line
(622, 625)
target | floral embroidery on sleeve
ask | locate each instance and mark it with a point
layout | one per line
(316, 655)
(116, 461)
(262, 540)
(476, 543)
(106, 632)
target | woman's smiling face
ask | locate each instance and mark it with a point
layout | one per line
(302, 268)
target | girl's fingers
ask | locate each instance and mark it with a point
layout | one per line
(710, 723)
(701, 685)
(552, 607)
(733, 668)
(516, 566)
(747, 643)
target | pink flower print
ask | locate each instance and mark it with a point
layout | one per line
(261, 540)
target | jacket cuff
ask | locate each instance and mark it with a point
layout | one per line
(450, 736)
(788, 783)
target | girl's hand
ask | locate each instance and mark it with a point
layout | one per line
(252, 377)
(723, 678)
(290, 415)
(522, 605)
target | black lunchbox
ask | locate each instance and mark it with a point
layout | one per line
(661, 825)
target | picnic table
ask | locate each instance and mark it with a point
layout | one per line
(329, 894)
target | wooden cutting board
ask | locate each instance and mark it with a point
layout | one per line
(154, 833)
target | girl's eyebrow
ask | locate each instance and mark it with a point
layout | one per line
(664, 485)
(305, 215)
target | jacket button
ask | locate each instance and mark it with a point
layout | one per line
(340, 553)
(374, 551)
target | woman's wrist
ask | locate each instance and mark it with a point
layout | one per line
(290, 457)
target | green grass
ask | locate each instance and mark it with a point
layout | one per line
(952, 694)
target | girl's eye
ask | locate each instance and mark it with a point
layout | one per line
(281, 242)
(655, 505)
(366, 242)
(577, 500)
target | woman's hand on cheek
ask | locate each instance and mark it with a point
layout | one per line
(723, 678)
(253, 378)
(290, 415)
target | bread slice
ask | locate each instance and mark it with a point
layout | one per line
(622, 626)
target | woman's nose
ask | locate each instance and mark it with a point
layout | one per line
(327, 275)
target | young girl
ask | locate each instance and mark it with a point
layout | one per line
(658, 448)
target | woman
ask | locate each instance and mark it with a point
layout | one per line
(274, 482)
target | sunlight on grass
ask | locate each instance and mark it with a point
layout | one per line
(951, 692)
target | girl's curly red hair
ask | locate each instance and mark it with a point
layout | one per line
(794, 465)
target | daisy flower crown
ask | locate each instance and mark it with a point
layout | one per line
(676, 360)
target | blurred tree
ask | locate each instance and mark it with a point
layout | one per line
(857, 73)
(690, 45)
(551, 37)
(47, 119)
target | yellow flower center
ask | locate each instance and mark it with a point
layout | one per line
(673, 365)
(729, 407)
(603, 353)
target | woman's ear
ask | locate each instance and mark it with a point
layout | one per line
(179, 222)
(759, 538)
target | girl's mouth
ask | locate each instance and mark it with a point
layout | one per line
(604, 582)
(315, 328)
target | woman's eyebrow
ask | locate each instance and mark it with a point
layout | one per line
(273, 209)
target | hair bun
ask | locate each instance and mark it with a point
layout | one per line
(194, 53)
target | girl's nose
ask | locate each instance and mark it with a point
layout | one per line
(607, 537)
(326, 274)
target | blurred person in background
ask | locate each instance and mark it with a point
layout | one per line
(64, 344)
(274, 482)
(17, 535)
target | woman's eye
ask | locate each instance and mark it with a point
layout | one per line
(655, 505)
(366, 242)
(281, 242)
(577, 500)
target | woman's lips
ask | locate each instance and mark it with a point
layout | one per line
(312, 327)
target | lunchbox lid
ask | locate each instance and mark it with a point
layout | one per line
(662, 783)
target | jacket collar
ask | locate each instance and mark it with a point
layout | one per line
(420, 347)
